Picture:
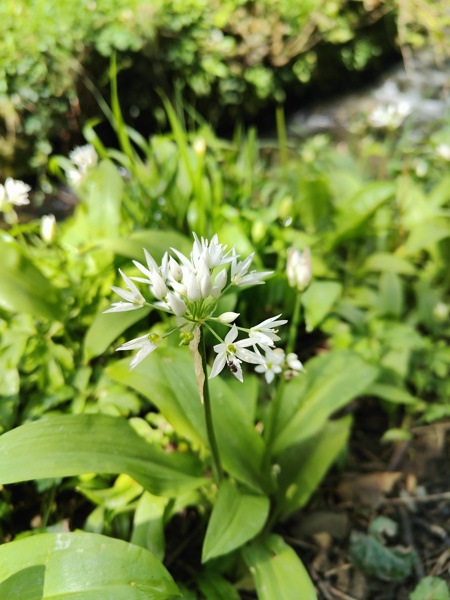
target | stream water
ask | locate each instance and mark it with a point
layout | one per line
(418, 94)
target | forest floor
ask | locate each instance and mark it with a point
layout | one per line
(409, 483)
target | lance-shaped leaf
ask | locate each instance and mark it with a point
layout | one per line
(278, 571)
(81, 566)
(330, 382)
(23, 288)
(155, 242)
(303, 466)
(167, 379)
(236, 518)
(64, 446)
(106, 328)
(318, 301)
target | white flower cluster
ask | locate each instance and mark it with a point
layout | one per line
(13, 193)
(390, 116)
(190, 288)
(277, 362)
(82, 158)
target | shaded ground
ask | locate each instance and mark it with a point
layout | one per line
(408, 483)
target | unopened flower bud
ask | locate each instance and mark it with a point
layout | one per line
(175, 269)
(192, 287)
(205, 285)
(228, 317)
(48, 228)
(159, 288)
(199, 146)
(299, 268)
(221, 279)
(176, 304)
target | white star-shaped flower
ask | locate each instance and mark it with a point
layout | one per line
(134, 298)
(272, 365)
(146, 344)
(233, 353)
(239, 275)
(14, 192)
(264, 333)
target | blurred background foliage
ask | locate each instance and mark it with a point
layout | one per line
(229, 60)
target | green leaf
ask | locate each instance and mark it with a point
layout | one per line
(236, 518)
(431, 588)
(331, 381)
(278, 571)
(424, 235)
(303, 466)
(107, 327)
(23, 288)
(241, 447)
(215, 587)
(383, 261)
(63, 446)
(167, 379)
(390, 295)
(81, 566)
(98, 215)
(359, 208)
(373, 558)
(176, 398)
(154, 241)
(393, 394)
(148, 524)
(318, 300)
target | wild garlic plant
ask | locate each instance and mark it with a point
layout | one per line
(190, 289)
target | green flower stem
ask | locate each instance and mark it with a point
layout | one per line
(214, 448)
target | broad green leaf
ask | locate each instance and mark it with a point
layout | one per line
(331, 381)
(359, 208)
(393, 394)
(303, 466)
(236, 518)
(247, 392)
(81, 566)
(98, 215)
(63, 446)
(215, 587)
(122, 492)
(314, 204)
(241, 447)
(148, 524)
(318, 301)
(431, 588)
(176, 397)
(154, 241)
(107, 327)
(23, 288)
(424, 235)
(278, 572)
(383, 261)
(167, 379)
(390, 294)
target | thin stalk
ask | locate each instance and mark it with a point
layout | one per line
(282, 139)
(215, 455)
